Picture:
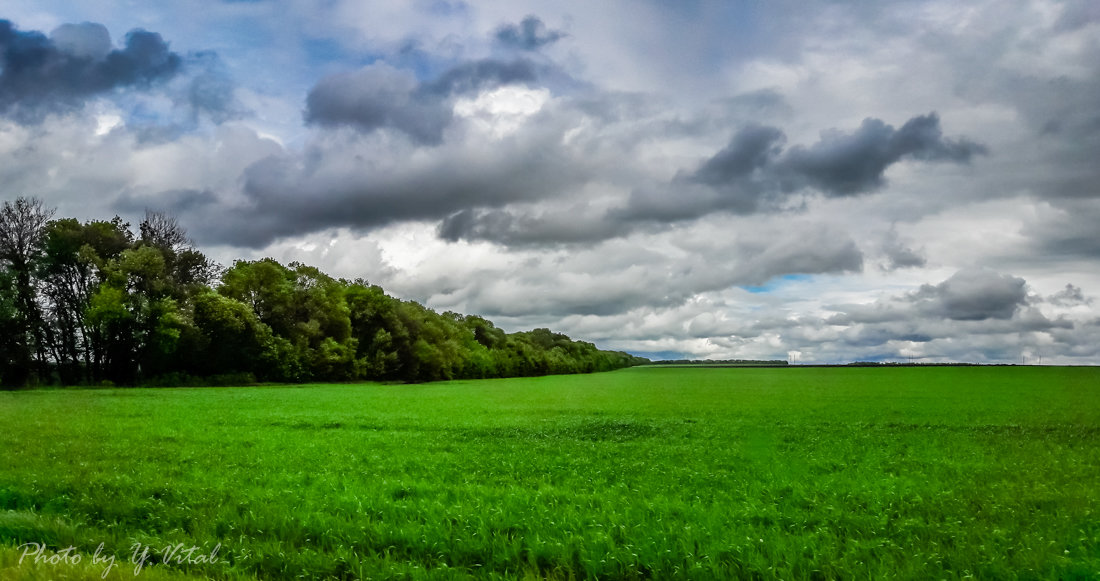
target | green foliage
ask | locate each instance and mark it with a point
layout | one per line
(338, 330)
(108, 307)
(226, 337)
(661, 473)
(90, 303)
(72, 269)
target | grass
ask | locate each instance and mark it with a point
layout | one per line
(909, 473)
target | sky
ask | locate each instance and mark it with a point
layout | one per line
(824, 182)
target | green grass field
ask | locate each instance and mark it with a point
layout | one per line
(860, 473)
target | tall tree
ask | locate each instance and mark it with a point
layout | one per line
(71, 271)
(186, 269)
(134, 313)
(22, 230)
(10, 347)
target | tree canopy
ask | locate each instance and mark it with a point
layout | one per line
(94, 302)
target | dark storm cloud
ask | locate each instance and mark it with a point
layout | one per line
(839, 164)
(753, 172)
(575, 225)
(752, 149)
(375, 97)
(738, 179)
(973, 295)
(530, 34)
(379, 96)
(848, 164)
(39, 75)
(329, 187)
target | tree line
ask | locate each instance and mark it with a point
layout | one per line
(93, 303)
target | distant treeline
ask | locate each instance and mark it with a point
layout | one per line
(95, 303)
(720, 362)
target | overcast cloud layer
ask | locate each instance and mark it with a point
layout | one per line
(826, 182)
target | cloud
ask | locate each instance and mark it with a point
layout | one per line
(529, 34)
(39, 75)
(721, 323)
(1071, 296)
(973, 295)
(86, 40)
(1081, 341)
(812, 251)
(839, 164)
(898, 255)
(380, 96)
(737, 179)
(977, 294)
(575, 224)
(753, 173)
(375, 97)
(473, 76)
(752, 149)
(1067, 230)
(640, 270)
(329, 185)
(848, 164)
(172, 202)
(1077, 14)
(974, 315)
(210, 90)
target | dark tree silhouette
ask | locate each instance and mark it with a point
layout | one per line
(22, 230)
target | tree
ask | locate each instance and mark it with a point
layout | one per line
(22, 230)
(109, 317)
(134, 314)
(374, 325)
(10, 348)
(303, 306)
(71, 270)
(186, 269)
(163, 231)
(230, 339)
